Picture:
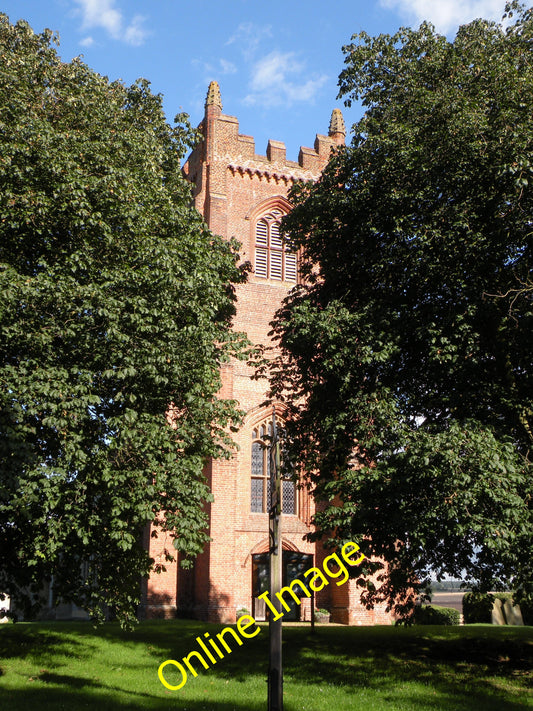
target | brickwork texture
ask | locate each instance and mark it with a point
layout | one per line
(234, 188)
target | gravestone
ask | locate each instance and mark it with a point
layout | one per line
(513, 614)
(497, 613)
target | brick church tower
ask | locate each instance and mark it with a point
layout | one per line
(244, 195)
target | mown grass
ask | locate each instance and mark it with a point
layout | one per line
(54, 666)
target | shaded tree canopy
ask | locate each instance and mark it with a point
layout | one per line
(116, 302)
(407, 354)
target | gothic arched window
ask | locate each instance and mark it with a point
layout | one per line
(260, 474)
(273, 259)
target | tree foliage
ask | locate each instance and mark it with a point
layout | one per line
(116, 302)
(406, 356)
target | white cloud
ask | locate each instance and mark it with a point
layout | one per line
(447, 15)
(104, 14)
(87, 42)
(249, 36)
(227, 67)
(275, 81)
(135, 33)
(213, 71)
(276, 78)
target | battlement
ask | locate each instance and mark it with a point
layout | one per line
(223, 143)
(228, 173)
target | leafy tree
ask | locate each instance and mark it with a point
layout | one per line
(115, 313)
(406, 356)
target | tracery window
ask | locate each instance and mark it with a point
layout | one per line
(273, 259)
(260, 481)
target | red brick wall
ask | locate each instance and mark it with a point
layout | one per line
(346, 607)
(159, 592)
(233, 187)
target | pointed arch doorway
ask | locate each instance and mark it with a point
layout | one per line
(294, 565)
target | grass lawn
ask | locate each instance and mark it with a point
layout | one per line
(54, 666)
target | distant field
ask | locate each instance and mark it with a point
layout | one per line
(70, 666)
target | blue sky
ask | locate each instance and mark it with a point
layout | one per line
(277, 62)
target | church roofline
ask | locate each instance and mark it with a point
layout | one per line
(238, 150)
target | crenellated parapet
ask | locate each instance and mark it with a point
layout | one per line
(227, 154)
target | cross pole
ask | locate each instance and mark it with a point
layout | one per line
(275, 668)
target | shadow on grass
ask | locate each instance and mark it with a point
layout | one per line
(464, 668)
(457, 669)
(21, 641)
(475, 668)
(76, 700)
(484, 668)
(76, 682)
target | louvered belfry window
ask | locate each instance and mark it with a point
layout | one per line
(260, 487)
(273, 259)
